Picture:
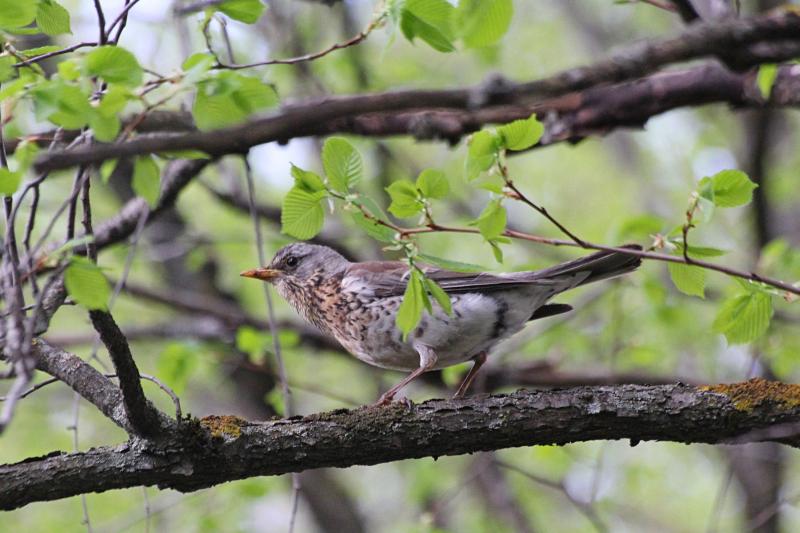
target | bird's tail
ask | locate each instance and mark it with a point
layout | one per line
(602, 265)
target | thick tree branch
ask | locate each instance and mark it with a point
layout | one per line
(84, 379)
(574, 116)
(776, 36)
(227, 448)
(176, 176)
(143, 417)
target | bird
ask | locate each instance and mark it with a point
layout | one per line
(357, 304)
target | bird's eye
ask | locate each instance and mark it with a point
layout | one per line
(292, 261)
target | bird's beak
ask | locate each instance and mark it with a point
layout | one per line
(264, 274)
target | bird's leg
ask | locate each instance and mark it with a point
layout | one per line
(427, 360)
(478, 363)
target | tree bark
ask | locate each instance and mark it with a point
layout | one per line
(200, 454)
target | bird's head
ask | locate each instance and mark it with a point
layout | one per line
(296, 263)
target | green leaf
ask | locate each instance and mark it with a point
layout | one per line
(439, 295)
(767, 74)
(688, 279)
(39, 50)
(374, 229)
(175, 365)
(9, 181)
(492, 186)
(302, 215)
(482, 152)
(69, 70)
(732, 188)
(482, 22)
(405, 199)
(639, 226)
(105, 128)
(230, 98)
(252, 342)
(521, 134)
(196, 66)
(342, 163)
(7, 70)
(62, 104)
(17, 13)
(24, 155)
(146, 179)
(114, 64)
(447, 264)
(744, 317)
(107, 168)
(247, 11)
(114, 101)
(698, 252)
(496, 250)
(71, 244)
(86, 283)
(492, 220)
(52, 18)
(307, 180)
(410, 311)
(430, 20)
(432, 183)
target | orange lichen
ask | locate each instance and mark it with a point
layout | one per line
(750, 394)
(224, 425)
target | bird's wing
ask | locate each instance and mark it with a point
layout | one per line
(389, 278)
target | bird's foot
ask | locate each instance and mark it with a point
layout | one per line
(388, 399)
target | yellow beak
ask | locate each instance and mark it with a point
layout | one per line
(264, 274)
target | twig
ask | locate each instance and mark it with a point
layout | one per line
(287, 395)
(585, 508)
(74, 429)
(49, 381)
(16, 348)
(356, 39)
(121, 19)
(276, 345)
(518, 195)
(666, 6)
(101, 22)
(48, 55)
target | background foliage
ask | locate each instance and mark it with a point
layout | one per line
(685, 170)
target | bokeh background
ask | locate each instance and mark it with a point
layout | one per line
(625, 186)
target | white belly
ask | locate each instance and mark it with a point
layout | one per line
(477, 324)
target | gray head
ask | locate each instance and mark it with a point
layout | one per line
(298, 262)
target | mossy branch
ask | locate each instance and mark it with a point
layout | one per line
(200, 454)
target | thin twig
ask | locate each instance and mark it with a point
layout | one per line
(585, 508)
(666, 6)
(356, 39)
(121, 19)
(276, 345)
(101, 22)
(49, 381)
(656, 256)
(74, 429)
(518, 195)
(48, 55)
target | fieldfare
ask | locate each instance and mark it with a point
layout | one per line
(357, 303)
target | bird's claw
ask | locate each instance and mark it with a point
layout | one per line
(388, 400)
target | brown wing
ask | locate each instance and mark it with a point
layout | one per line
(389, 278)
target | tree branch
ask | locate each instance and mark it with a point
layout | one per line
(775, 34)
(143, 417)
(222, 449)
(84, 379)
